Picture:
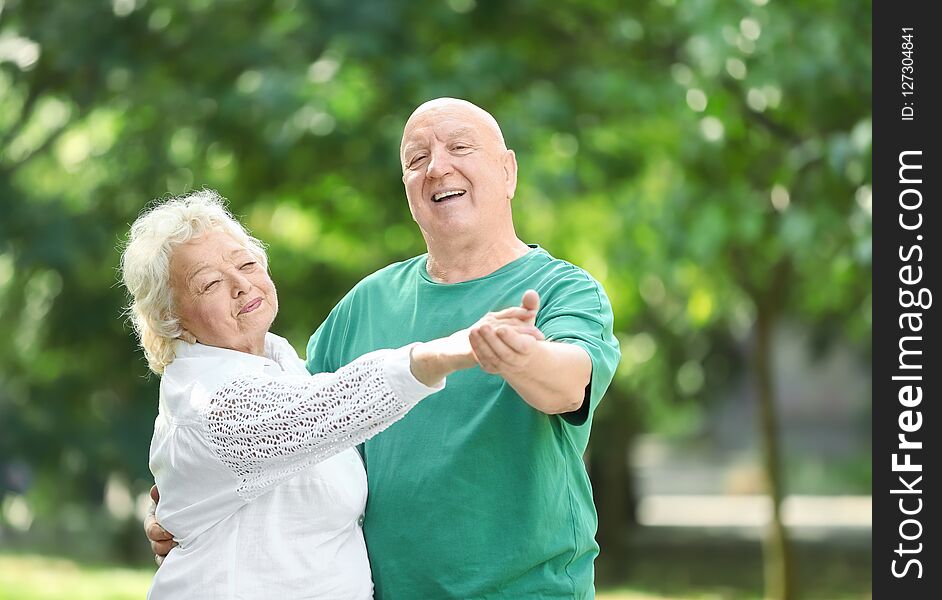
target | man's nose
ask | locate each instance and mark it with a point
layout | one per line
(439, 164)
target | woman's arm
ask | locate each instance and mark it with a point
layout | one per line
(266, 429)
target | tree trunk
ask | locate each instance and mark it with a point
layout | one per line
(613, 490)
(778, 564)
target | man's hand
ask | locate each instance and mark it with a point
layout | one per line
(161, 540)
(505, 350)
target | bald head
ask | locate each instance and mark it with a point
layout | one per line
(456, 107)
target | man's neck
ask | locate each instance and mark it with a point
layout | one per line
(454, 263)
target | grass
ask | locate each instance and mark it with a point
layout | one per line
(657, 574)
(31, 577)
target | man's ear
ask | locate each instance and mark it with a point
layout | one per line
(510, 173)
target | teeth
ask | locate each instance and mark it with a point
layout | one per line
(442, 195)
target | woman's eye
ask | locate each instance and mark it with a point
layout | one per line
(248, 265)
(209, 286)
(417, 160)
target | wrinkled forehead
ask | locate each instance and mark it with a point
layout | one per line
(210, 247)
(450, 122)
(213, 241)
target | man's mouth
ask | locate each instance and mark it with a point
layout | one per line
(250, 306)
(444, 195)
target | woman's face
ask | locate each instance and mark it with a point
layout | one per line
(223, 295)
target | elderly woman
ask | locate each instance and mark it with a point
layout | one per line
(254, 458)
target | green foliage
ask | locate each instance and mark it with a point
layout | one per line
(700, 158)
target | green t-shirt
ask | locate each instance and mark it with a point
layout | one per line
(475, 494)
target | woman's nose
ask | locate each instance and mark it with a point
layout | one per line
(240, 284)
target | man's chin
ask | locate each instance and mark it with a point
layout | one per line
(454, 228)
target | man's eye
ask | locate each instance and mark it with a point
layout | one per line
(417, 160)
(248, 265)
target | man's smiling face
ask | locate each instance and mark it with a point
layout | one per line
(458, 175)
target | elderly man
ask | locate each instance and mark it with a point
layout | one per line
(481, 490)
(488, 497)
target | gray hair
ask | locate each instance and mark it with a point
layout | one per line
(145, 264)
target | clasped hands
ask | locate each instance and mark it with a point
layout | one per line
(503, 342)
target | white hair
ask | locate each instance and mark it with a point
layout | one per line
(145, 264)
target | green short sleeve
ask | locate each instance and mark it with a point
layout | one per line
(578, 312)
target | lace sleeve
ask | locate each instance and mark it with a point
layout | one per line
(266, 429)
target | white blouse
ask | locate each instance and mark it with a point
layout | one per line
(258, 476)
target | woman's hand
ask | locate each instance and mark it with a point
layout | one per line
(431, 361)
